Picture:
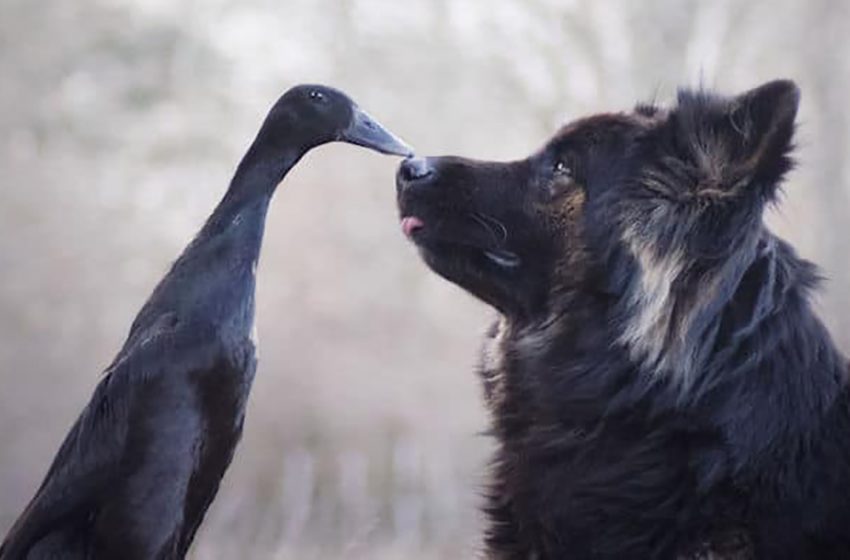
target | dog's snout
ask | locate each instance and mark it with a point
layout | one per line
(415, 170)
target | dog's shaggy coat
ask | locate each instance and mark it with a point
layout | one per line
(659, 384)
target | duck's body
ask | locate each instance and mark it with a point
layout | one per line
(137, 471)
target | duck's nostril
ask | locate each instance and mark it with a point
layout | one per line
(416, 169)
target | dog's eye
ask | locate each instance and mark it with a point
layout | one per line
(562, 179)
(561, 169)
(316, 95)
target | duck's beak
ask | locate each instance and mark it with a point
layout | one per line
(367, 132)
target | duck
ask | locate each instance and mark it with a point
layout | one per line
(137, 471)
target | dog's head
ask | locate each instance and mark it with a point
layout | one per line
(650, 207)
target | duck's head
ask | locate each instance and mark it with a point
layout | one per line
(310, 115)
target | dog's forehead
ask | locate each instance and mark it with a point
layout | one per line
(598, 127)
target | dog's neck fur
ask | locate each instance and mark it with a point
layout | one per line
(552, 390)
(670, 313)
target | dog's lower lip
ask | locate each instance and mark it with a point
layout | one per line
(410, 225)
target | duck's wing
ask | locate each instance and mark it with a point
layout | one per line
(91, 456)
(81, 470)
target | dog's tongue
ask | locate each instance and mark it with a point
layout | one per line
(409, 224)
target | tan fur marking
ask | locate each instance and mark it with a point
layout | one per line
(654, 337)
(569, 267)
(646, 333)
(493, 365)
(573, 201)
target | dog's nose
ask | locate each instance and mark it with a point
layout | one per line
(415, 170)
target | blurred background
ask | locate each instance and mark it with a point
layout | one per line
(122, 120)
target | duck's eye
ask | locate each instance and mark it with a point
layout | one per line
(561, 169)
(316, 95)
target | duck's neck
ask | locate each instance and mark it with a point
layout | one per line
(239, 219)
(256, 178)
(221, 258)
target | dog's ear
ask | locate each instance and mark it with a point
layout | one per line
(761, 128)
(736, 145)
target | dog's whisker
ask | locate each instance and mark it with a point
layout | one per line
(497, 223)
(488, 223)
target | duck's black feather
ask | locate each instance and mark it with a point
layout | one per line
(143, 462)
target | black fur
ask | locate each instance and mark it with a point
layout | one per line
(659, 384)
